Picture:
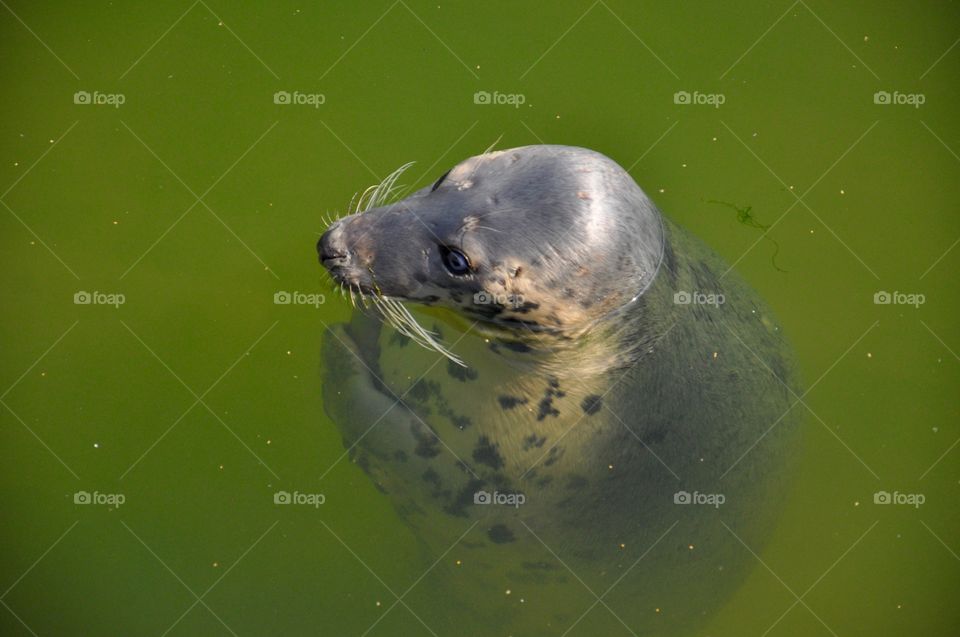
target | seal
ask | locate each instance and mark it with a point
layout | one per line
(599, 428)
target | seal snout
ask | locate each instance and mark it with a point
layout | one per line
(331, 249)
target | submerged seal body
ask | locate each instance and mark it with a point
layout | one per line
(600, 430)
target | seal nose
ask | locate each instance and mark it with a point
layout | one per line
(332, 253)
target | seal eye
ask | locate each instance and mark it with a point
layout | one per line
(455, 261)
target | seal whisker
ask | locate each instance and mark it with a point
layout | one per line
(400, 318)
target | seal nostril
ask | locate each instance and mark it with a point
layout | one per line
(328, 249)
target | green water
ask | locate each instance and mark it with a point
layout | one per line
(198, 397)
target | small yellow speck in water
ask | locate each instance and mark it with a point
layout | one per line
(715, 355)
(43, 373)
(378, 602)
(610, 467)
(459, 563)
(558, 115)
(216, 565)
(869, 355)
(220, 467)
(842, 192)
(508, 591)
(289, 352)
(269, 441)
(115, 222)
(663, 190)
(690, 546)
(714, 139)
(657, 610)
(96, 445)
(622, 546)
(866, 38)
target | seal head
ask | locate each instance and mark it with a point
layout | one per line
(547, 238)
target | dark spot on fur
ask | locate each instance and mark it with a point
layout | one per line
(526, 307)
(423, 390)
(432, 477)
(545, 408)
(509, 402)
(553, 455)
(428, 445)
(500, 534)
(591, 404)
(486, 453)
(463, 499)
(516, 346)
(533, 441)
(463, 374)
